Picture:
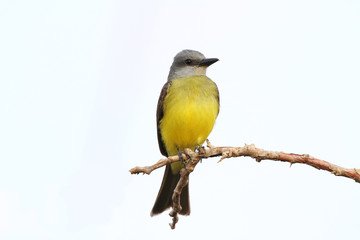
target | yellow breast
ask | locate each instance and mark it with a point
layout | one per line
(190, 109)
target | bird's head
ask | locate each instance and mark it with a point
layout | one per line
(189, 63)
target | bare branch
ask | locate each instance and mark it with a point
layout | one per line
(228, 152)
(184, 179)
(258, 154)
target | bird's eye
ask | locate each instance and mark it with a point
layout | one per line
(188, 61)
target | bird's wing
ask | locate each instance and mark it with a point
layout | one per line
(159, 116)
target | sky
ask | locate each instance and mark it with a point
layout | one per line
(79, 84)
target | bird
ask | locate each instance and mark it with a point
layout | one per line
(187, 108)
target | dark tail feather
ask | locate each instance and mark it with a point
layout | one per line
(164, 198)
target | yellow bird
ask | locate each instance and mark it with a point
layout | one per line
(186, 112)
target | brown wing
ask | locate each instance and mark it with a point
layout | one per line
(218, 97)
(159, 116)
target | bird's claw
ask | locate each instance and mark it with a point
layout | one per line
(200, 149)
(182, 160)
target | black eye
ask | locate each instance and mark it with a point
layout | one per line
(188, 61)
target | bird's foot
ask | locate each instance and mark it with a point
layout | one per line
(201, 151)
(182, 160)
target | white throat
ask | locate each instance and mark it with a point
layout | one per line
(189, 71)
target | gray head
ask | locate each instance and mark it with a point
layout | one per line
(189, 63)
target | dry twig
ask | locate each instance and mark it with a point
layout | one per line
(228, 152)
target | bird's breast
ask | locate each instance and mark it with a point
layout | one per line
(190, 109)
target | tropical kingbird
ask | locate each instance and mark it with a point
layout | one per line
(187, 108)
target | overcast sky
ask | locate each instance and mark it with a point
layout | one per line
(79, 84)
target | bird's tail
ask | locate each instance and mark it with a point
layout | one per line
(164, 198)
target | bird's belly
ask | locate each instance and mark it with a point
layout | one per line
(188, 123)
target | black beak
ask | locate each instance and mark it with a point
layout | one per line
(208, 61)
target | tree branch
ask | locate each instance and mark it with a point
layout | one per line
(229, 152)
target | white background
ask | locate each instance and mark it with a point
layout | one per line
(79, 87)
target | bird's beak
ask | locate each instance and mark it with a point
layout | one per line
(208, 61)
